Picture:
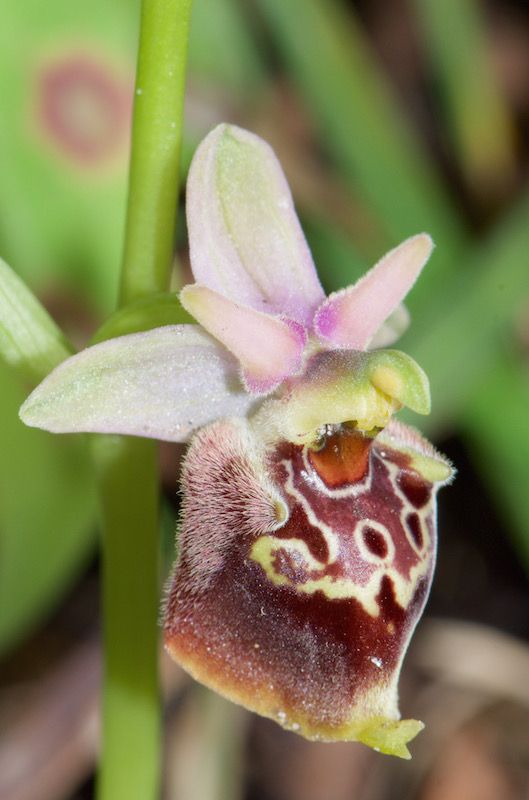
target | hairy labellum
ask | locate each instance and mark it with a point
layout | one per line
(302, 573)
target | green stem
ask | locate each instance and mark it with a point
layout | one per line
(127, 467)
(128, 485)
(156, 140)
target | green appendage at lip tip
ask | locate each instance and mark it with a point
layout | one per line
(383, 734)
(389, 736)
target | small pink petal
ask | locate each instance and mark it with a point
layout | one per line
(351, 317)
(245, 239)
(163, 384)
(269, 348)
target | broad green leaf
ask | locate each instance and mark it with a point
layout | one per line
(66, 74)
(47, 505)
(47, 516)
(30, 341)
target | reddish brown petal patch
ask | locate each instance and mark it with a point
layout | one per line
(343, 459)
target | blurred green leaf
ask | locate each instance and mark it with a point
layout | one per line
(459, 344)
(456, 44)
(163, 308)
(47, 500)
(66, 74)
(338, 261)
(496, 429)
(221, 48)
(47, 516)
(63, 188)
(30, 341)
(363, 129)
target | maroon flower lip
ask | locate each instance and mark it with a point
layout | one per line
(306, 623)
(83, 107)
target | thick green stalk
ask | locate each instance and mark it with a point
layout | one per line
(128, 485)
(127, 467)
(156, 141)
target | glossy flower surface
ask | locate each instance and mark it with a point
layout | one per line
(307, 538)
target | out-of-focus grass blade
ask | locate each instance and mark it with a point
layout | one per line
(458, 345)
(221, 50)
(30, 341)
(338, 260)
(47, 515)
(361, 125)
(225, 72)
(496, 427)
(455, 42)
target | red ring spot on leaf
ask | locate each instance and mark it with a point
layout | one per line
(84, 107)
(414, 526)
(375, 542)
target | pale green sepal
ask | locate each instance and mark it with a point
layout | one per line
(162, 384)
(30, 341)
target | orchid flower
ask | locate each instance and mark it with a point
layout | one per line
(307, 538)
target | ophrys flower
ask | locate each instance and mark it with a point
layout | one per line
(307, 538)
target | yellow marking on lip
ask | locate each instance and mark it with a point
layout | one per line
(265, 549)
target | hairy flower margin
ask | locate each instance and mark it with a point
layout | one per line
(307, 540)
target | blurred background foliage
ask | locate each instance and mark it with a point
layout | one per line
(390, 117)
